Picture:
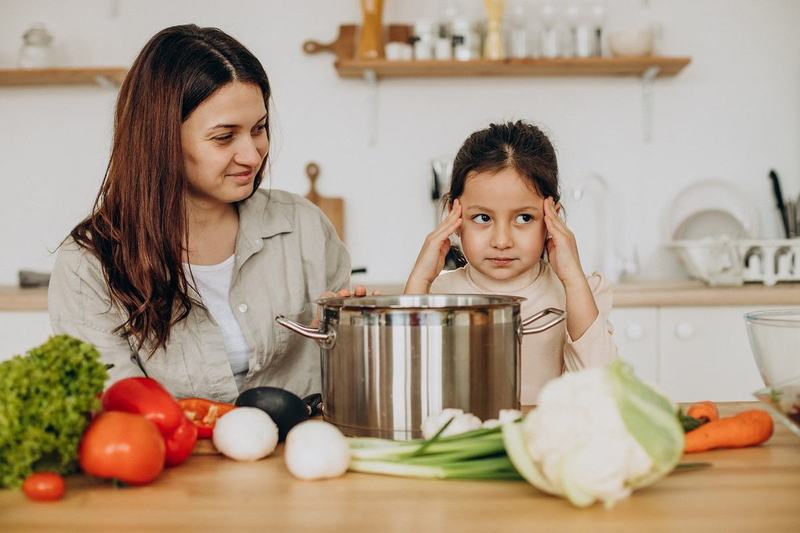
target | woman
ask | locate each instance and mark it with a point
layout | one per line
(184, 262)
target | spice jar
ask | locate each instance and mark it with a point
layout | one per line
(423, 40)
(36, 51)
(466, 41)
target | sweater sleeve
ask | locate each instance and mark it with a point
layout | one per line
(596, 346)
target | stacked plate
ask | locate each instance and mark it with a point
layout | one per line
(706, 222)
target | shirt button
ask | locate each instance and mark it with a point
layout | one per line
(242, 308)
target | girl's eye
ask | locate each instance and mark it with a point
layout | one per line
(524, 218)
(261, 128)
(223, 138)
(482, 219)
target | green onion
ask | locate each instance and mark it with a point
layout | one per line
(478, 454)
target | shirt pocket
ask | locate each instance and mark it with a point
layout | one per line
(168, 367)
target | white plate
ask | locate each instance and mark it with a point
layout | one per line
(712, 208)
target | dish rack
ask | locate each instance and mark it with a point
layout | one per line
(723, 261)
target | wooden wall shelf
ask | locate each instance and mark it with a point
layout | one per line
(63, 76)
(348, 66)
(592, 66)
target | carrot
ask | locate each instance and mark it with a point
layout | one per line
(700, 410)
(748, 428)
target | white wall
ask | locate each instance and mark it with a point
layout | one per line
(733, 113)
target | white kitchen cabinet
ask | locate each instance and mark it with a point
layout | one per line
(20, 331)
(636, 336)
(704, 354)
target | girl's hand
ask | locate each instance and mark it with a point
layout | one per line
(434, 250)
(562, 250)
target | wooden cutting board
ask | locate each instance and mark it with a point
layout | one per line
(331, 206)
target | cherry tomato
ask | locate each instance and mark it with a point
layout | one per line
(44, 487)
(122, 446)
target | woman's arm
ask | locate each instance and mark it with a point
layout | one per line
(80, 306)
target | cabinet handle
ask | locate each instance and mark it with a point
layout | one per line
(634, 331)
(684, 330)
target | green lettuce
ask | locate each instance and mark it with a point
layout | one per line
(46, 399)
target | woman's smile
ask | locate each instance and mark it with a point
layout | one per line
(242, 178)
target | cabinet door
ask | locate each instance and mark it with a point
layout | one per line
(21, 331)
(704, 354)
(636, 335)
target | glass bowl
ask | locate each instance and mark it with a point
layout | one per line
(775, 341)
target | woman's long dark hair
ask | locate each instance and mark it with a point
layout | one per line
(517, 145)
(138, 226)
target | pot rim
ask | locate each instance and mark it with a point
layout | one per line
(421, 301)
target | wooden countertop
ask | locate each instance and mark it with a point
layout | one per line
(696, 293)
(639, 294)
(17, 299)
(752, 489)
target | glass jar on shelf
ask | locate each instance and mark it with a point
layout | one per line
(518, 44)
(466, 40)
(36, 50)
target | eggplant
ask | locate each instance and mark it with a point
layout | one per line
(286, 409)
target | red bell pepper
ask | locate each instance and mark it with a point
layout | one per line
(204, 414)
(147, 397)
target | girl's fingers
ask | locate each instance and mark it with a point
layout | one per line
(551, 246)
(360, 291)
(444, 231)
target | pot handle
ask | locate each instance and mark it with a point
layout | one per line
(326, 339)
(560, 317)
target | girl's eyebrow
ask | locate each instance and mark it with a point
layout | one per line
(516, 210)
(479, 208)
(234, 126)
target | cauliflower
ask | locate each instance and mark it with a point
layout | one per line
(596, 434)
(504, 417)
(462, 422)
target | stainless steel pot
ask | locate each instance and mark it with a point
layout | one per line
(390, 361)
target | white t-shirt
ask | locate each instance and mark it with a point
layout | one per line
(214, 283)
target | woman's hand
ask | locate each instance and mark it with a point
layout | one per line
(562, 250)
(359, 292)
(430, 260)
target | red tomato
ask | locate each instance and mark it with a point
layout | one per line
(44, 487)
(122, 446)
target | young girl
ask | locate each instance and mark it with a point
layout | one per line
(504, 206)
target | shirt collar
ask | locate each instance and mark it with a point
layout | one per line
(260, 218)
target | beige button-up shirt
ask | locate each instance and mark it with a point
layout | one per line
(287, 254)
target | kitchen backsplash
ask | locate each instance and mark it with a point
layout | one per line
(729, 115)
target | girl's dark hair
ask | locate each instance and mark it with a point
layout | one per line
(517, 145)
(138, 225)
